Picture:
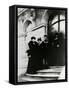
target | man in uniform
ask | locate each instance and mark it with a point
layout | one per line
(39, 54)
(45, 47)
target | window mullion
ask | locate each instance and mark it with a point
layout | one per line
(58, 23)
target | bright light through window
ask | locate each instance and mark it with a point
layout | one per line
(61, 22)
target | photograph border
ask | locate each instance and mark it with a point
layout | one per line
(16, 44)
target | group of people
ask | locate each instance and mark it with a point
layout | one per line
(41, 52)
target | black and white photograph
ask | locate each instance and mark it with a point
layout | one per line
(41, 44)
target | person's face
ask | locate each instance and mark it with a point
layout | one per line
(45, 38)
(56, 36)
(33, 40)
(39, 41)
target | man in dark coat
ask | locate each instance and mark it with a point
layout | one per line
(39, 55)
(32, 54)
(58, 50)
(45, 46)
(54, 50)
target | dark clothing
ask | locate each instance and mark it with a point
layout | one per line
(32, 45)
(58, 48)
(57, 51)
(45, 47)
(32, 54)
(39, 57)
(54, 52)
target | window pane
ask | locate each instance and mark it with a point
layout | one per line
(62, 17)
(62, 26)
(55, 19)
(55, 27)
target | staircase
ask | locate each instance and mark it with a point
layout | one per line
(42, 75)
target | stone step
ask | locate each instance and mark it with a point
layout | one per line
(53, 75)
(28, 78)
(49, 71)
(42, 75)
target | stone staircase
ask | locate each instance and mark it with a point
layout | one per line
(42, 75)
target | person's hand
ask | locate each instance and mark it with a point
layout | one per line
(29, 56)
(58, 45)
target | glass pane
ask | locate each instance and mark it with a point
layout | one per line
(62, 17)
(62, 27)
(55, 27)
(55, 19)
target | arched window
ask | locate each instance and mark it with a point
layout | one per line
(58, 24)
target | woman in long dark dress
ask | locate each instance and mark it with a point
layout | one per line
(32, 55)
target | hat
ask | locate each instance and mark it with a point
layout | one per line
(39, 39)
(33, 37)
(45, 36)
